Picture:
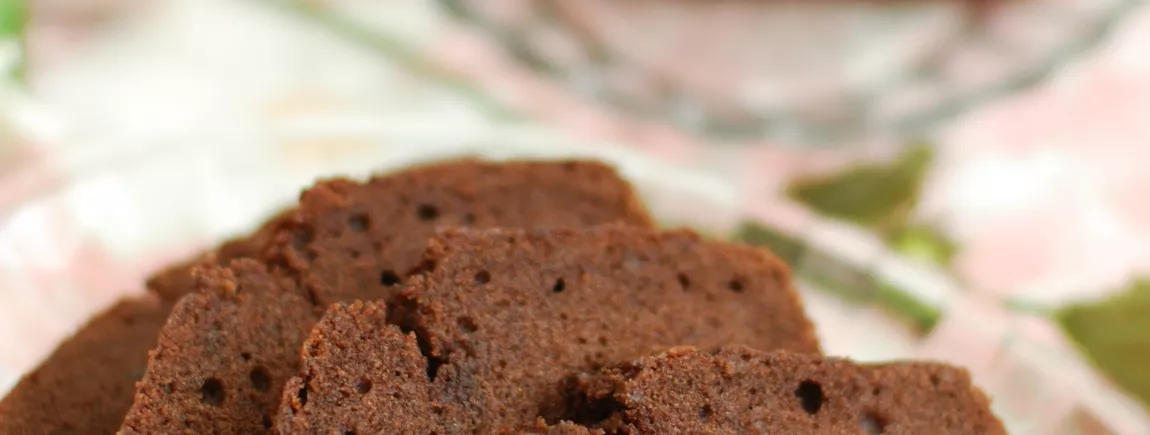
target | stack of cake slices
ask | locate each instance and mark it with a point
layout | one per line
(473, 297)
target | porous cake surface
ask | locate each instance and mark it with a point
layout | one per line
(505, 315)
(740, 390)
(224, 355)
(356, 241)
(85, 385)
(360, 375)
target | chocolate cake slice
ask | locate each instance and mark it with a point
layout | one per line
(224, 354)
(379, 226)
(504, 315)
(356, 241)
(85, 385)
(741, 390)
(360, 375)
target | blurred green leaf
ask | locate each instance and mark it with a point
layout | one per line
(787, 247)
(923, 242)
(13, 23)
(881, 198)
(922, 315)
(1115, 335)
(873, 196)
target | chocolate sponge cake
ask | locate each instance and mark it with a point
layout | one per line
(740, 390)
(376, 229)
(360, 375)
(356, 241)
(85, 385)
(504, 315)
(224, 354)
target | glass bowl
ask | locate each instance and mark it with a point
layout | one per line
(792, 72)
(87, 228)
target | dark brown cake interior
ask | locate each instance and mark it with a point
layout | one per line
(85, 385)
(224, 355)
(504, 315)
(360, 375)
(357, 241)
(741, 390)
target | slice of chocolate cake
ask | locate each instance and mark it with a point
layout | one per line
(224, 355)
(356, 241)
(504, 315)
(740, 390)
(85, 385)
(380, 226)
(360, 375)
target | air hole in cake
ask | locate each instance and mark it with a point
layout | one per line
(934, 380)
(469, 218)
(427, 212)
(706, 412)
(349, 432)
(810, 395)
(432, 362)
(388, 278)
(581, 340)
(467, 324)
(559, 286)
(363, 386)
(267, 421)
(312, 297)
(602, 341)
(358, 223)
(873, 423)
(482, 277)
(212, 392)
(684, 282)
(355, 254)
(261, 379)
(247, 356)
(736, 285)
(302, 393)
(168, 388)
(876, 391)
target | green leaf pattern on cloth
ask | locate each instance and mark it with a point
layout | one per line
(1115, 335)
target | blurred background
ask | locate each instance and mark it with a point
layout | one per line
(997, 149)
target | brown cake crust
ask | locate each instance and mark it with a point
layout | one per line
(360, 375)
(356, 241)
(505, 315)
(224, 354)
(741, 390)
(85, 385)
